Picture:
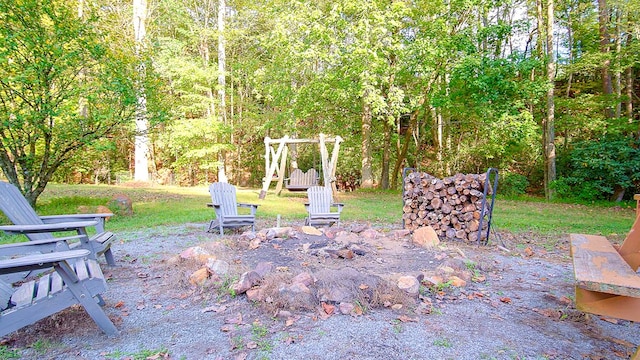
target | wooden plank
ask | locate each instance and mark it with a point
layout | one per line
(80, 268)
(56, 283)
(94, 270)
(36, 260)
(24, 294)
(617, 306)
(599, 267)
(6, 290)
(43, 287)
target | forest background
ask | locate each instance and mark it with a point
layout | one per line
(184, 92)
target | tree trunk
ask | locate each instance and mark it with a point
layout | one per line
(141, 168)
(618, 65)
(549, 132)
(222, 8)
(607, 87)
(386, 149)
(366, 169)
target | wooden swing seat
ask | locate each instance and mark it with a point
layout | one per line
(301, 181)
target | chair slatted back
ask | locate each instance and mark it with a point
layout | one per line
(320, 199)
(224, 194)
(16, 207)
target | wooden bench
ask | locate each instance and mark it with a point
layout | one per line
(301, 181)
(606, 279)
(605, 283)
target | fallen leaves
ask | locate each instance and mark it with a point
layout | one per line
(328, 308)
(405, 319)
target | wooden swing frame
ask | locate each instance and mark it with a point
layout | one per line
(276, 161)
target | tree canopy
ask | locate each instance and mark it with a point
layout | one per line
(445, 86)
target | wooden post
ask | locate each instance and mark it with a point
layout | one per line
(272, 165)
(283, 163)
(267, 147)
(334, 165)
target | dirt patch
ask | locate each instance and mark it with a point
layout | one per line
(515, 300)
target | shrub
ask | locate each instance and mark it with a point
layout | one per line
(512, 184)
(600, 169)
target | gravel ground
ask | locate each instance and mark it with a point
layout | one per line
(519, 312)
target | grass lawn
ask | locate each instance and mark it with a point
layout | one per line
(168, 205)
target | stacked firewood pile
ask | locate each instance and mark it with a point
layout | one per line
(451, 206)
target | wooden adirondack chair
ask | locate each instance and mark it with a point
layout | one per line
(26, 221)
(319, 207)
(72, 279)
(224, 202)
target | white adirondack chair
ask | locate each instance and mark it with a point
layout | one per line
(319, 207)
(224, 202)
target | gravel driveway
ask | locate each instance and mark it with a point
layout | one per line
(521, 310)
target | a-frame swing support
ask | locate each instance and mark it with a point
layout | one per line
(276, 161)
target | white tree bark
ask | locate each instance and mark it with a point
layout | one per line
(222, 8)
(141, 166)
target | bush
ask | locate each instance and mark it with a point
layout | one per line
(512, 184)
(599, 169)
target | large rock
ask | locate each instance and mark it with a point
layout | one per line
(310, 230)
(304, 278)
(425, 237)
(199, 277)
(409, 284)
(198, 254)
(246, 282)
(121, 205)
(219, 267)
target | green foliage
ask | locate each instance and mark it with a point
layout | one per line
(63, 87)
(512, 184)
(7, 353)
(601, 168)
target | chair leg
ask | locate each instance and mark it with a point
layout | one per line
(100, 300)
(108, 255)
(221, 229)
(80, 292)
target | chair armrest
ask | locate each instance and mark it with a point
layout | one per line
(49, 219)
(98, 217)
(254, 207)
(39, 261)
(45, 245)
(339, 206)
(247, 205)
(44, 228)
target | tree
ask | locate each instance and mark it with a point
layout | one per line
(43, 50)
(548, 123)
(141, 143)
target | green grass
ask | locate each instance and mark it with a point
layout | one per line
(169, 205)
(9, 353)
